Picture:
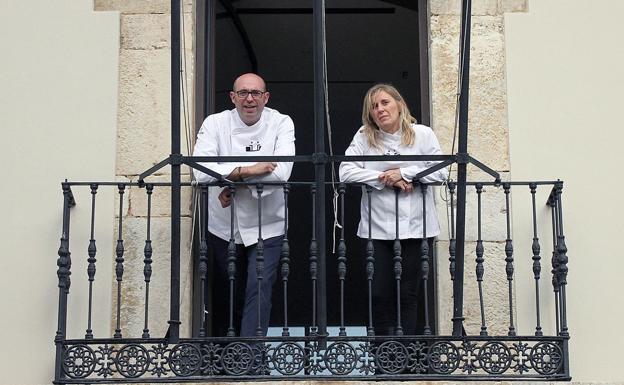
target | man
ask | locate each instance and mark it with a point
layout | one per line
(250, 129)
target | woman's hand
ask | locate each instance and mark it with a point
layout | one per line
(225, 197)
(391, 177)
(404, 185)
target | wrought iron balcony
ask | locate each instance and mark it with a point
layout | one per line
(349, 353)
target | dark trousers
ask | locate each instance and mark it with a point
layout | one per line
(245, 295)
(384, 290)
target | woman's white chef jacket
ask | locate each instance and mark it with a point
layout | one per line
(383, 198)
(225, 134)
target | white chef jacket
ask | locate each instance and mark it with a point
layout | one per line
(383, 198)
(225, 134)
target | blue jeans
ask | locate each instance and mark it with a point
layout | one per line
(246, 282)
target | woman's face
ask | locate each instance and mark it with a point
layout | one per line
(385, 112)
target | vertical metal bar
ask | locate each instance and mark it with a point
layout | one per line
(64, 271)
(176, 189)
(479, 252)
(424, 259)
(562, 270)
(321, 158)
(91, 251)
(314, 262)
(119, 260)
(509, 268)
(203, 258)
(232, 260)
(537, 268)
(205, 21)
(423, 54)
(259, 260)
(452, 241)
(554, 262)
(342, 259)
(147, 252)
(370, 264)
(285, 262)
(458, 283)
(398, 269)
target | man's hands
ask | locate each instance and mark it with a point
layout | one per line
(393, 178)
(260, 168)
(257, 169)
(239, 173)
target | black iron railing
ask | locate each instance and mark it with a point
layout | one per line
(348, 354)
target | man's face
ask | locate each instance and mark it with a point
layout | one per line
(249, 97)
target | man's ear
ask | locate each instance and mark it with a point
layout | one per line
(266, 97)
(232, 96)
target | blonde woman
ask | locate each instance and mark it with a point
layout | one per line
(389, 129)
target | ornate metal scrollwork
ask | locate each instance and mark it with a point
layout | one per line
(211, 359)
(443, 357)
(288, 358)
(391, 357)
(185, 360)
(494, 357)
(546, 358)
(79, 361)
(406, 357)
(105, 361)
(132, 361)
(340, 358)
(237, 358)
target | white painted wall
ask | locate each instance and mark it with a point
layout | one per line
(58, 100)
(565, 62)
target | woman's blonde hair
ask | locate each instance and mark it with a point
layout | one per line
(372, 131)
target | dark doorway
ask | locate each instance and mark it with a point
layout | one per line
(368, 41)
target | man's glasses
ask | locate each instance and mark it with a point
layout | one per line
(256, 94)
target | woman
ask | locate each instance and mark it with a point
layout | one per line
(389, 129)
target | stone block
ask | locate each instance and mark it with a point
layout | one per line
(140, 6)
(453, 7)
(144, 124)
(153, 31)
(487, 122)
(512, 6)
(133, 285)
(144, 110)
(161, 199)
(145, 31)
(495, 290)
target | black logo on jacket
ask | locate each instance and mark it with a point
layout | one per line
(253, 146)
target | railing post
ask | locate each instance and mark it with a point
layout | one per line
(562, 274)
(462, 162)
(64, 271)
(320, 162)
(174, 307)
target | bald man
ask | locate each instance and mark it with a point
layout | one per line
(249, 129)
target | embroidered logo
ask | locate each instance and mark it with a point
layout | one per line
(253, 146)
(392, 151)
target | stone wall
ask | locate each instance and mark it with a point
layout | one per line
(488, 142)
(143, 140)
(143, 131)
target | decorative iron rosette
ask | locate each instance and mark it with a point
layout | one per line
(78, 361)
(391, 357)
(185, 360)
(132, 361)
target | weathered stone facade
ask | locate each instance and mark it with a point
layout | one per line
(143, 129)
(488, 142)
(143, 140)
